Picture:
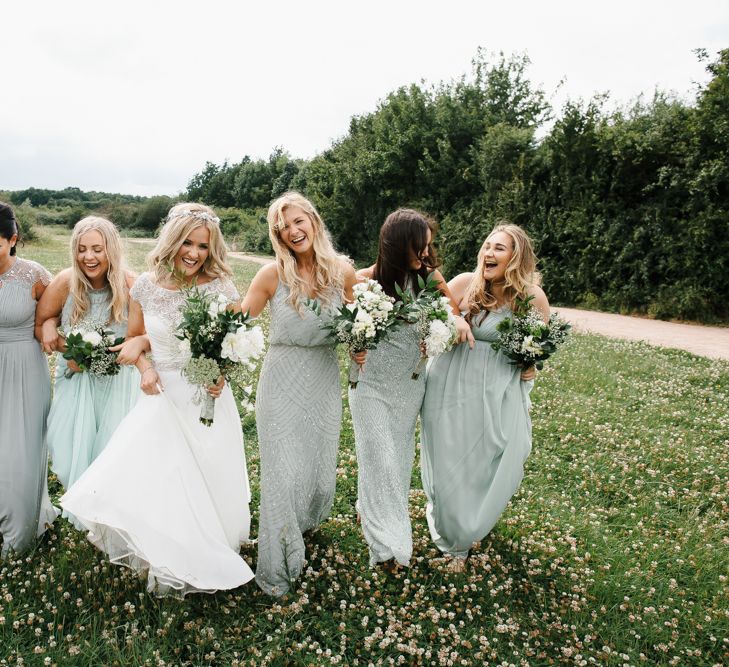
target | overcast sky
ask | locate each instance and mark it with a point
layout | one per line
(135, 97)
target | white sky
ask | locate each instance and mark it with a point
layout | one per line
(135, 96)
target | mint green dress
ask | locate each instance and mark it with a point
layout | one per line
(25, 388)
(86, 409)
(476, 436)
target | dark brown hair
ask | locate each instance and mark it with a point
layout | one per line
(403, 231)
(8, 224)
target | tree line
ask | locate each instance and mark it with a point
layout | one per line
(629, 207)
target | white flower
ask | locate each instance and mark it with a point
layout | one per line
(363, 316)
(438, 339)
(93, 337)
(528, 346)
(243, 345)
(184, 347)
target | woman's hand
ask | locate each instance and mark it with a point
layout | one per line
(131, 349)
(359, 357)
(464, 332)
(216, 389)
(150, 383)
(50, 339)
(73, 366)
(529, 373)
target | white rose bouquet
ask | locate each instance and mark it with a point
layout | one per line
(434, 316)
(87, 345)
(526, 339)
(362, 324)
(218, 341)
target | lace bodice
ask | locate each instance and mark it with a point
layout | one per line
(17, 306)
(161, 309)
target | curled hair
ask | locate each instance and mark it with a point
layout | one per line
(80, 285)
(181, 220)
(328, 271)
(404, 234)
(9, 225)
(521, 273)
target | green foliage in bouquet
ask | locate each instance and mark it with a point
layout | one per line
(526, 339)
(88, 349)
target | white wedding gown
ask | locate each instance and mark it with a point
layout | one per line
(169, 495)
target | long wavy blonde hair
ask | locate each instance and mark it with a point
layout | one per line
(328, 272)
(116, 274)
(181, 220)
(521, 273)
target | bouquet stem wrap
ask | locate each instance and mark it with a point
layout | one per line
(353, 374)
(207, 410)
(421, 365)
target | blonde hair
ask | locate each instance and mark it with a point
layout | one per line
(181, 220)
(115, 275)
(328, 272)
(521, 272)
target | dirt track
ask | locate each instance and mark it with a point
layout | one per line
(702, 340)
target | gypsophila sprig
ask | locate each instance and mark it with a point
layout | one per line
(526, 339)
(362, 324)
(219, 342)
(87, 345)
(432, 312)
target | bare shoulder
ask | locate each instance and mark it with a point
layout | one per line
(460, 282)
(61, 284)
(267, 278)
(130, 277)
(540, 300)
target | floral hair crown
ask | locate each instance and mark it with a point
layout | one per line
(198, 215)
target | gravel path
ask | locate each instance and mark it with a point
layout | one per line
(705, 341)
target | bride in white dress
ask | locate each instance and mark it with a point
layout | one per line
(169, 495)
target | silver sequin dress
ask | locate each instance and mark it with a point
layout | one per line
(298, 416)
(385, 408)
(25, 391)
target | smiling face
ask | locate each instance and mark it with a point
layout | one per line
(497, 252)
(92, 258)
(193, 252)
(297, 232)
(415, 259)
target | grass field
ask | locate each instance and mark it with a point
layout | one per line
(614, 552)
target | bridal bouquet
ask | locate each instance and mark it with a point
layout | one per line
(87, 345)
(218, 342)
(362, 324)
(526, 339)
(434, 316)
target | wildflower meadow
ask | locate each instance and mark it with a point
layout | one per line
(615, 551)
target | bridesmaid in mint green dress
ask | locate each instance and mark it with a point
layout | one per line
(476, 429)
(86, 408)
(25, 396)
(386, 401)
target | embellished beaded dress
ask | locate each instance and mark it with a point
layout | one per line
(298, 415)
(86, 408)
(476, 434)
(169, 496)
(25, 391)
(385, 407)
